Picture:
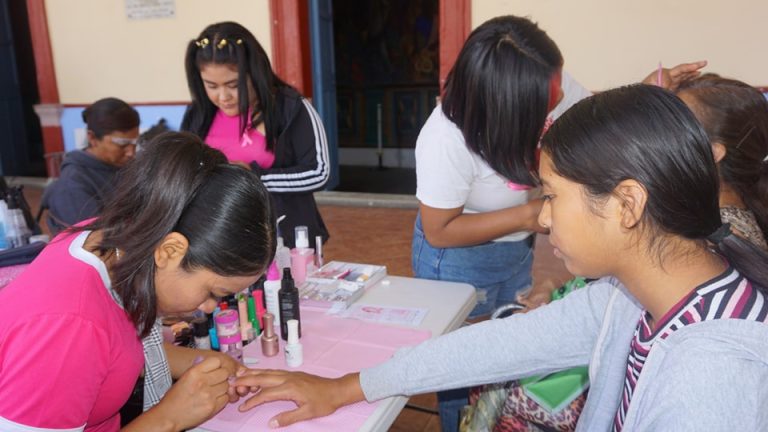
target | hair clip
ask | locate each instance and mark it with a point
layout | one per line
(746, 135)
(222, 43)
(202, 43)
(239, 41)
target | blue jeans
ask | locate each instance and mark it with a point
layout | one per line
(497, 270)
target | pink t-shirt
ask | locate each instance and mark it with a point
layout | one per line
(69, 354)
(250, 147)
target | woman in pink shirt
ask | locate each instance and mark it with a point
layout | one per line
(242, 108)
(183, 228)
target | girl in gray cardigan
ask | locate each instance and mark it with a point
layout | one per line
(674, 333)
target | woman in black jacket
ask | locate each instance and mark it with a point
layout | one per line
(242, 108)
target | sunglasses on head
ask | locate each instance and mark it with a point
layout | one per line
(122, 142)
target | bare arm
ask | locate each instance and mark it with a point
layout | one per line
(452, 228)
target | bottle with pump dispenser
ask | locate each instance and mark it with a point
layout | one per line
(302, 256)
(282, 255)
(289, 304)
(271, 293)
(294, 352)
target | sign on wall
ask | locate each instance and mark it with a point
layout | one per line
(148, 9)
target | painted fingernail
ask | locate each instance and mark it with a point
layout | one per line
(274, 424)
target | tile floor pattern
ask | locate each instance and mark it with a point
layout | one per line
(367, 235)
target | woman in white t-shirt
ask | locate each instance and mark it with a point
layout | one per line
(476, 160)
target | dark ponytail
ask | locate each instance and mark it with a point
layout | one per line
(647, 134)
(179, 184)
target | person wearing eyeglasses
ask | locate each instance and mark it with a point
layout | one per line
(87, 176)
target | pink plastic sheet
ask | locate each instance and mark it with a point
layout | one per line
(332, 347)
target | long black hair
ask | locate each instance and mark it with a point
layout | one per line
(179, 184)
(645, 133)
(229, 43)
(735, 115)
(110, 115)
(497, 93)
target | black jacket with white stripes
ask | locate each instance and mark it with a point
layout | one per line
(300, 167)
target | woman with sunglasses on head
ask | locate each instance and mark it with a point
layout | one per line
(241, 107)
(87, 176)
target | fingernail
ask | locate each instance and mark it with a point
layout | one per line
(273, 424)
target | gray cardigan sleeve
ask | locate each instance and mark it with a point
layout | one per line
(550, 338)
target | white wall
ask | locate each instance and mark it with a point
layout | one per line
(99, 52)
(607, 43)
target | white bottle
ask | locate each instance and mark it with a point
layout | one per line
(294, 352)
(282, 255)
(271, 289)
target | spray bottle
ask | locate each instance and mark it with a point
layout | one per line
(302, 255)
(289, 304)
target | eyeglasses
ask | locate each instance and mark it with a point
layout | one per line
(122, 142)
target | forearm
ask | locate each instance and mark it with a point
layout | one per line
(350, 391)
(468, 229)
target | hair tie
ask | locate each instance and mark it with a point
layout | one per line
(202, 43)
(720, 234)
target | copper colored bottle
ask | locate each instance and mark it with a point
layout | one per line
(269, 344)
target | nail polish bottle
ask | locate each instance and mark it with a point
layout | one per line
(269, 343)
(294, 352)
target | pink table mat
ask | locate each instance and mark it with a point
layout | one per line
(332, 347)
